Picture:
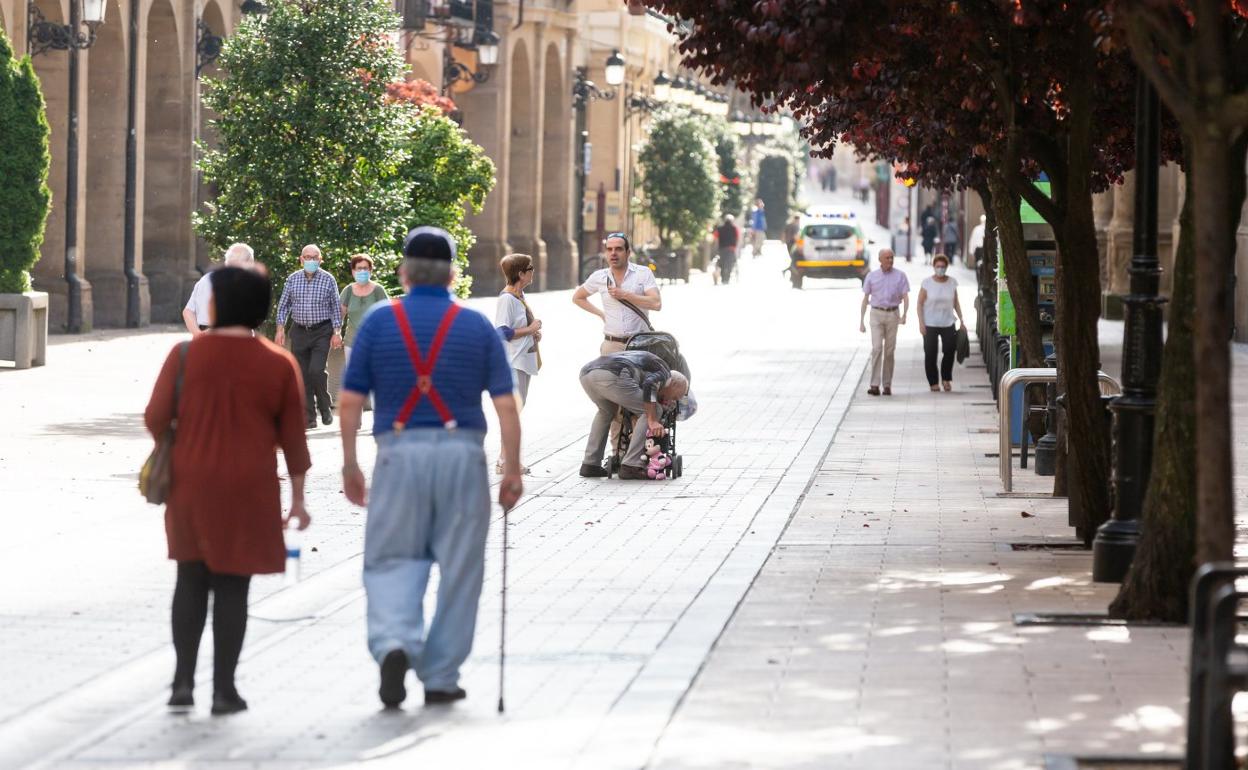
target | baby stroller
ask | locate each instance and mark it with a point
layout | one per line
(665, 347)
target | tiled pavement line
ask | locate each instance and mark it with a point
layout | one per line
(732, 473)
(879, 634)
(629, 733)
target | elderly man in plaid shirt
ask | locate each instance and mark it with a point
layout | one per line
(310, 302)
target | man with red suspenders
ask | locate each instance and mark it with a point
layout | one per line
(426, 360)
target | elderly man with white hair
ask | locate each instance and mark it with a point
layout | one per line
(195, 314)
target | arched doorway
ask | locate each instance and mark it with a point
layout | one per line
(523, 163)
(166, 168)
(105, 169)
(52, 67)
(556, 213)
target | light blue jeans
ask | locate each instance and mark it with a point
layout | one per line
(429, 503)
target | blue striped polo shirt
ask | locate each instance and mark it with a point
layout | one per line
(472, 361)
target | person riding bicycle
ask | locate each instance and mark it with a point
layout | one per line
(640, 383)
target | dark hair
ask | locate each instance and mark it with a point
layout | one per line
(628, 246)
(241, 297)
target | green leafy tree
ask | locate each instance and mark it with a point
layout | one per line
(310, 149)
(731, 176)
(24, 160)
(450, 174)
(775, 187)
(680, 178)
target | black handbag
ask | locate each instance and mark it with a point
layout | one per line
(156, 475)
(963, 348)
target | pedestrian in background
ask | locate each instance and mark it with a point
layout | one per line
(357, 297)
(236, 398)
(195, 314)
(758, 226)
(620, 282)
(426, 359)
(520, 328)
(950, 238)
(792, 231)
(975, 244)
(885, 290)
(310, 302)
(937, 308)
(728, 238)
(929, 233)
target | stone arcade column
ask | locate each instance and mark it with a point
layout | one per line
(524, 160)
(485, 110)
(1118, 248)
(557, 149)
(1102, 213)
(1241, 277)
(1168, 201)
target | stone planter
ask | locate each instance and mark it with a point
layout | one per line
(24, 328)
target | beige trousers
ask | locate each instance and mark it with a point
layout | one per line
(884, 325)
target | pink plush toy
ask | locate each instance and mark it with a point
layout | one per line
(659, 461)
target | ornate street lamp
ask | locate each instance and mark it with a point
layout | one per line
(44, 36)
(485, 42)
(662, 86)
(615, 69)
(207, 46)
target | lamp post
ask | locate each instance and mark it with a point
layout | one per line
(1114, 546)
(485, 43)
(44, 36)
(585, 91)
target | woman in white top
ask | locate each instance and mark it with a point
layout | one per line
(938, 307)
(517, 326)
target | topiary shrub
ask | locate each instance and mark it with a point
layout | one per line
(24, 160)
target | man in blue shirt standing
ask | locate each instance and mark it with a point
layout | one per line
(758, 226)
(426, 360)
(310, 302)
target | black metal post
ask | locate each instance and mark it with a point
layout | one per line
(1046, 445)
(133, 279)
(1114, 546)
(582, 139)
(73, 319)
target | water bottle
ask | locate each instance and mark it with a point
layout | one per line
(294, 553)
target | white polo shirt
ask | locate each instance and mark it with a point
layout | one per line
(620, 320)
(200, 296)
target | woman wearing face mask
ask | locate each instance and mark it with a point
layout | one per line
(358, 296)
(938, 307)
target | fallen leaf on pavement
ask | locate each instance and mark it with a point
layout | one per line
(1027, 515)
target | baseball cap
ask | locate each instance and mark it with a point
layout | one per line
(429, 243)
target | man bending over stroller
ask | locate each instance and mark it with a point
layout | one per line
(641, 383)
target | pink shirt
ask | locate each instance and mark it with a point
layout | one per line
(886, 289)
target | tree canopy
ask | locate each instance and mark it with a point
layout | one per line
(680, 178)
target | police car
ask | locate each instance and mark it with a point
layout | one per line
(830, 244)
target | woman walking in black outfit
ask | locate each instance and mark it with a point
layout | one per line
(938, 307)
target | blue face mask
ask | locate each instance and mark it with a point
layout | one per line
(362, 276)
(310, 266)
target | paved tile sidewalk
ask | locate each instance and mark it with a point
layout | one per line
(879, 634)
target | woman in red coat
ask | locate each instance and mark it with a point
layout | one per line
(241, 399)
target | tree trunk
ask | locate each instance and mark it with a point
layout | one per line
(1018, 276)
(1211, 188)
(1079, 310)
(1156, 586)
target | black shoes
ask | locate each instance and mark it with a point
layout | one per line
(310, 424)
(888, 391)
(593, 471)
(327, 418)
(631, 473)
(182, 698)
(393, 671)
(873, 391)
(229, 703)
(442, 697)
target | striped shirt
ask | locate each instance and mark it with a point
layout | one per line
(310, 300)
(472, 361)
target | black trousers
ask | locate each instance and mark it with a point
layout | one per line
(311, 349)
(947, 337)
(229, 623)
(727, 261)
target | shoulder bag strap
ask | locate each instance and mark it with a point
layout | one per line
(640, 314)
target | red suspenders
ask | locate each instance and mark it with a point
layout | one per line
(424, 367)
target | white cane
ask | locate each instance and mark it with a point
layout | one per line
(502, 626)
